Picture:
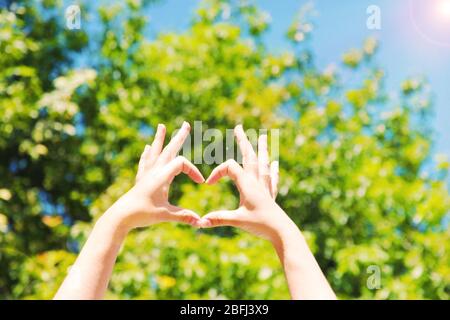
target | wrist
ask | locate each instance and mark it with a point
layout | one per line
(113, 232)
(291, 239)
(122, 214)
(284, 229)
(287, 237)
(293, 250)
(116, 218)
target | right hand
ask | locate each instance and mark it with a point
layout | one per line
(257, 182)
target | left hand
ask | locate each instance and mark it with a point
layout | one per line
(147, 202)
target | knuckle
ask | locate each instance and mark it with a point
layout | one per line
(180, 159)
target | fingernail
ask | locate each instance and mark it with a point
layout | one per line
(186, 125)
(275, 165)
(202, 223)
(160, 127)
(207, 223)
(197, 224)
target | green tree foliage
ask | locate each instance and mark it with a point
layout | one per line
(356, 170)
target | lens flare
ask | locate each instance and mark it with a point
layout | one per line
(444, 9)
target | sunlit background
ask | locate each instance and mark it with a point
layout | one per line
(357, 175)
(414, 36)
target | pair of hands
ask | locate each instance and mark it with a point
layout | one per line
(147, 202)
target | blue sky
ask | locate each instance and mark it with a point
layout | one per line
(414, 38)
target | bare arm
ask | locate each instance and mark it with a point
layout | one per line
(259, 214)
(303, 274)
(145, 204)
(89, 276)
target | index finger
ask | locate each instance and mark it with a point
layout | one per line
(229, 168)
(174, 146)
(179, 165)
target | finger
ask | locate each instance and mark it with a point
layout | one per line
(263, 162)
(249, 159)
(178, 165)
(229, 168)
(142, 160)
(274, 178)
(221, 218)
(177, 214)
(171, 150)
(157, 145)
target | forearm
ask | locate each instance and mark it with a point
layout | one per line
(89, 276)
(303, 274)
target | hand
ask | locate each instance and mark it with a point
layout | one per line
(144, 204)
(257, 182)
(147, 202)
(259, 214)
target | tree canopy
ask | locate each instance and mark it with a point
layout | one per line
(77, 107)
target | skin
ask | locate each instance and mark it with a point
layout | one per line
(147, 204)
(259, 214)
(143, 205)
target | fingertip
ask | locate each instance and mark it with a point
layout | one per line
(186, 126)
(187, 216)
(239, 128)
(194, 215)
(208, 223)
(161, 128)
(201, 223)
(211, 179)
(159, 136)
(194, 172)
(195, 224)
(200, 179)
(275, 166)
(263, 138)
(204, 223)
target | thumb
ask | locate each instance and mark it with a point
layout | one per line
(177, 214)
(221, 218)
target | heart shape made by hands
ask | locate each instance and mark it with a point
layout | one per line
(256, 181)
